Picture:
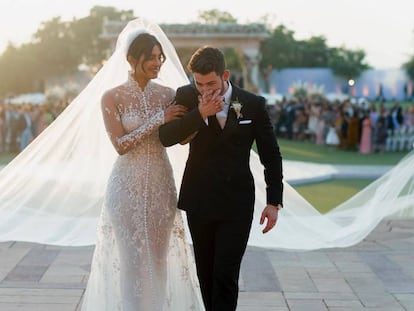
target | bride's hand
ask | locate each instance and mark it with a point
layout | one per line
(174, 112)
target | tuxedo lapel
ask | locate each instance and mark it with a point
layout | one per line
(231, 115)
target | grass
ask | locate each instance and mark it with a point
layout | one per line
(320, 194)
(310, 152)
(6, 158)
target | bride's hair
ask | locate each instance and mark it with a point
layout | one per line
(142, 45)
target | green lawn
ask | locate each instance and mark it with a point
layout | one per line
(6, 158)
(320, 194)
(310, 152)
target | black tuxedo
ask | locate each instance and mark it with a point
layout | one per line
(217, 189)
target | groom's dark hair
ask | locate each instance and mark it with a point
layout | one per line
(207, 59)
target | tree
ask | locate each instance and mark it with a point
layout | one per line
(233, 59)
(86, 31)
(55, 49)
(348, 64)
(409, 67)
(215, 17)
(281, 50)
(18, 70)
(278, 51)
(312, 53)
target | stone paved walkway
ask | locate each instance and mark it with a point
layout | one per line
(377, 274)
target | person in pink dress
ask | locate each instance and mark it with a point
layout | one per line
(365, 142)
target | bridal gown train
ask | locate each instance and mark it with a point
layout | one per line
(141, 260)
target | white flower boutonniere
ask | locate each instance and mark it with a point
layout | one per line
(237, 107)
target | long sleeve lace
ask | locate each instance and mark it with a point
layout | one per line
(133, 138)
(131, 114)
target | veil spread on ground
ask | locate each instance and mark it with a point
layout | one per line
(52, 192)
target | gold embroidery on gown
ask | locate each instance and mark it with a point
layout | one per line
(140, 226)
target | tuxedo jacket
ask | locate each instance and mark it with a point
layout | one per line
(217, 181)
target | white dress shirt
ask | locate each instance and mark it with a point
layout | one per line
(222, 115)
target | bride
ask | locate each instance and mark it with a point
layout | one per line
(53, 193)
(140, 223)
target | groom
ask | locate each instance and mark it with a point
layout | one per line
(217, 189)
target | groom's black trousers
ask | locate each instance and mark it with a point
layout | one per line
(219, 246)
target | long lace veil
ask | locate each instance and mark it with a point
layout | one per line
(53, 191)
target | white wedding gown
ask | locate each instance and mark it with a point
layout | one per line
(141, 229)
(54, 193)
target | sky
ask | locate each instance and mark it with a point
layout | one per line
(384, 29)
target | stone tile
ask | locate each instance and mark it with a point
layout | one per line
(346, 303)
(366, 309)
(23, 299)
(365, 283)
(258, 273)
(316, 260)
(378, 300)
(343, 256)
(26, 273)
(291, 272)
(82, 256)
(321, 295)
(36, 307)
(332, 285)
(295, 280)
(39, 257)
(284, 259)
(26, 245)
(5, 245)
(266, 299)
(389, 272)
(306, 305)
(38, 299)
(65, 274)
(40, 292)
(369, 244)
(324, 272)
(10, 257)
(345, 266)
(405, 300)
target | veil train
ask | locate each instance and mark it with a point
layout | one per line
(52, 192)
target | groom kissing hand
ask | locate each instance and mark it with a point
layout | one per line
(217, 190)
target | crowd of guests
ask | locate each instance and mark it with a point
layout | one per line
(349, 124)
(21, 123)
(361, 126)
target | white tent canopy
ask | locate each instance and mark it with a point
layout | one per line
(30, 98)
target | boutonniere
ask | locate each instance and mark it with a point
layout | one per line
(237, 107)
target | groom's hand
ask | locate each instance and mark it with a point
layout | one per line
(210, 102)
(270, 212)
